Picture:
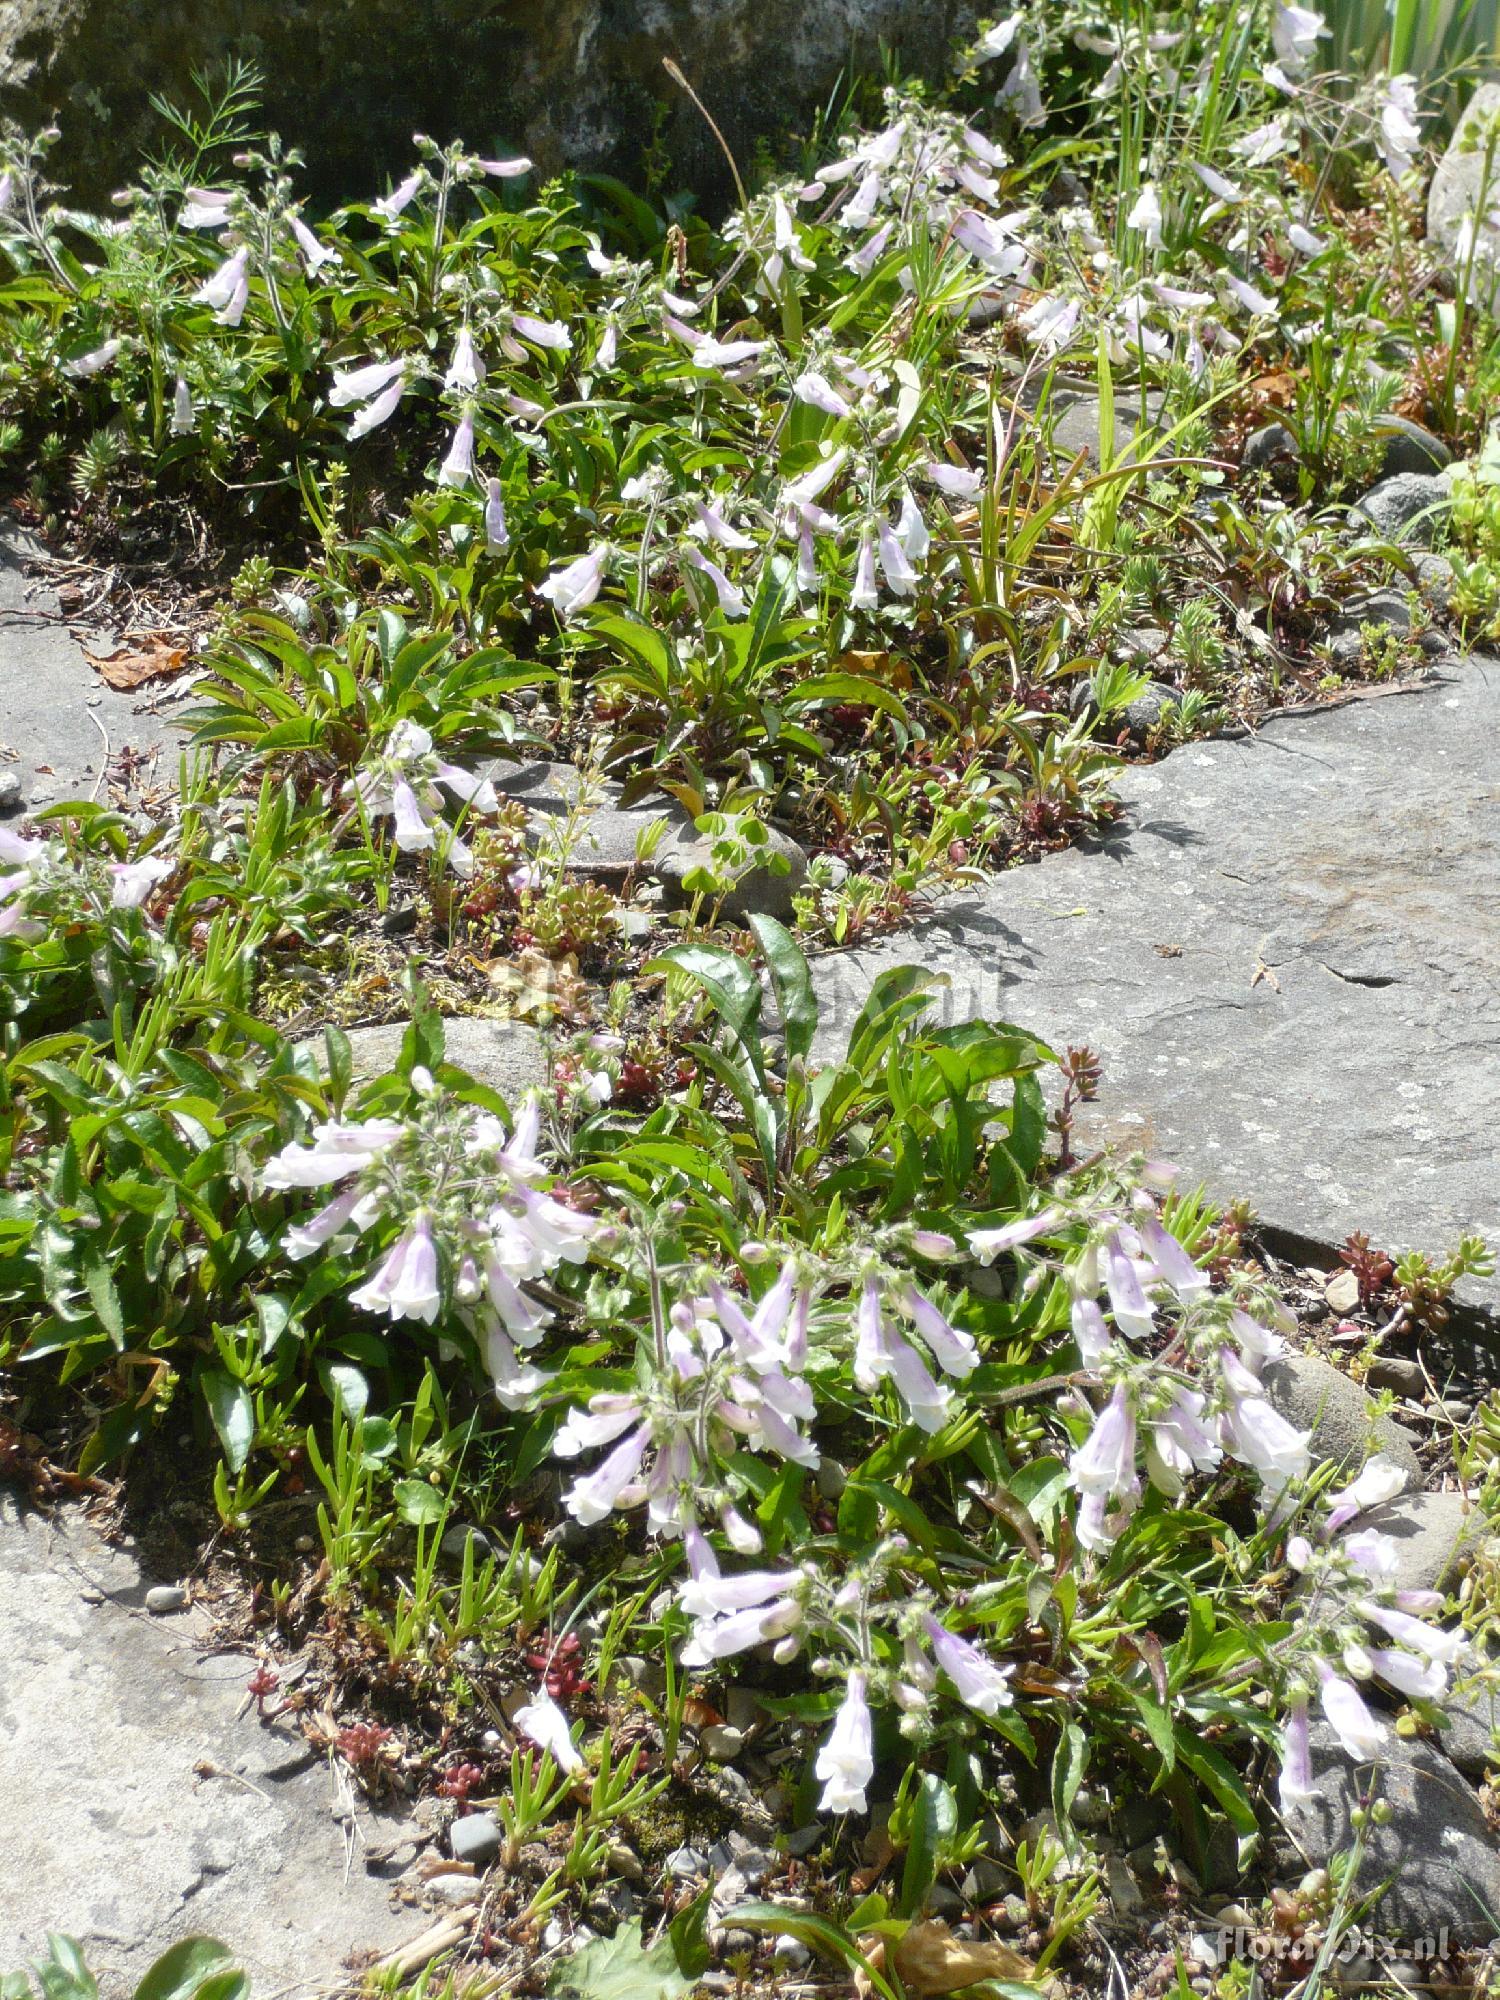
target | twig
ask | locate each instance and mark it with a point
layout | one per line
(105, 765)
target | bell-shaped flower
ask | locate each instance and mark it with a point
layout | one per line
(505, 170)
(1408, 1675)
(184, 418)
(132, 881)
(336, 1150)
(609, 1414)
(353, 1209)
(953, 1351)
(228, 290)
(881, 1353)
(92, 363)
(955, 480)
(981, 1684)
(405, 1285)
(846, 1762)
(1296, 1786)
(1127, 1297)
(549, 333)
(988, 1244)
(1146, 216)
(466, 370)
(730, 598)
(819, 393)
(574, 587)
(457, 469)
(378, 409)
(1105, 1461)
(1050, 323)
(1380, 1480)
(1256, 1433)
(1179, 1443)
(864, 595)
(1362, 1737)
(721, 354)
(205, 208)
(1398, 134)
(358, 385)
(710, 524)
(1258, 302)
(1177, 1269)
(722, 1637)
(609, 342)
(543, 1723)
(592, 1498)
(401, 197)
(314, 254)
(496, 533)
(1295, 32)
(1429, 1640)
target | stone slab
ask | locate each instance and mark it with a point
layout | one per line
(54, 706)
(114, 1831)
(1288, 957)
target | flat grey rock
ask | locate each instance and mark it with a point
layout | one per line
(1470, 1741)
(49, 692)
(1288, 958)
(127, 1821)
(1076, 428)
(506, 1056)
(601, 838)
(1315, 1396)
(758, 889)
(1410, 447)
(1436, 1535)
(1437, 1848)
(1455, 191)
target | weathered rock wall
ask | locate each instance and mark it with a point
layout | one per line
(572, 82)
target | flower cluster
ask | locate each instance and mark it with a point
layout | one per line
(38, 878)
(402, 778)
(475, 1226)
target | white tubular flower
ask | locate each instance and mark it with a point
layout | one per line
(1399, 134)
(1090, 1333)
(1260, 303)
(505, 170)
(594, 1497)
(1146, 216)
(228, 290)
(336, 1150)
(609, 1414)
(314, 254)
(1105, 1462)
(132, 881)
(1051, 322)
(358, 385)
(1294, 36)
(352, 1209)
(405, 1285)
(1429, 1640)
(710, 524)
(401, 197)
(718, 355)
(1296, 1786)
(457, 469)
(737, 1631)
(1304, 241)
(548, 333)
(880, 1352)
(911, 531)
(184, 419)
(731, 599)
(376, 411)
(956, 480)
(466, 370)
(864, 596)
(1127, 1297)
(846, 1762)
(981, 1684)
(899, 574)
(204, 208)
(496, 533)
(1256, 1434)
(788, 242)
(543, 1723)
(1408, 1676)
(816, 390)
(1361, 1736)
(1381, 1480)
(988, 1244)
(574, 587)
(92, 363)
(953, 1351)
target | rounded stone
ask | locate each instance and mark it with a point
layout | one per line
(1314, 1396)
(164, 1598)
(475, 1838)
(721, 1742)
(1272, 444)
(1407, 508)
(759, 889)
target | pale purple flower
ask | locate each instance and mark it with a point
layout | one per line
(477, 793)
(1252, 300)
(953, 1351)
(1179, 296)
(543, 1723)
(1090, 1333)
(899, 574)
(400, 197)
(716, 529)
(336, 1150)
(721, 1638)
(609, 341)
(1179, 1443)
(731, 599)
(1257, 1434)
(1177, 1268)
(990, 243)
(405, 1285)
(710, 1595)
(314, 254)
(1127, 1297)
(988, 1244)
(358, 385)
(911, 530)
(812, 484)
(880, 1352)
(133, 881)
(549, 333)
(184, 421)
(788, 242)
(1022, 90)
(592, 1498)
(1303, 240)
(228, 290)
(1362, 1737)
(956, 480)
(812, 388)
(1105, 1462)
(457, 469)
(1051, 322)
(92, 363)
(609, 1414)
(204, 208)
(351, 1209)
(1430, 1640)
(1294, 36)
(864, 596)
(378, 409)
(496, 534)
(742, 1535)
(1399, 133)
(807, 559)
(846, 1762)
(505, 170)
(863, 260)
(465, 370)
(997, 40)
(1296, 1786)
(720, 354)
(1217, 185)
(1381, 1480)
(1408, 1676)
(517, 1384)
(981, 1684)
(574, 587)
(413, 834)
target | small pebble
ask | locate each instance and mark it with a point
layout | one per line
(683, 1863)
(803, 1839)
(10, 791)
(165, 1598)
(721, 1742)
(791, 1951)
(475, 1839)
(458, 1537)
(1342, 1291)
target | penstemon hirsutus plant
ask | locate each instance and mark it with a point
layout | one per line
(701, 1380)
